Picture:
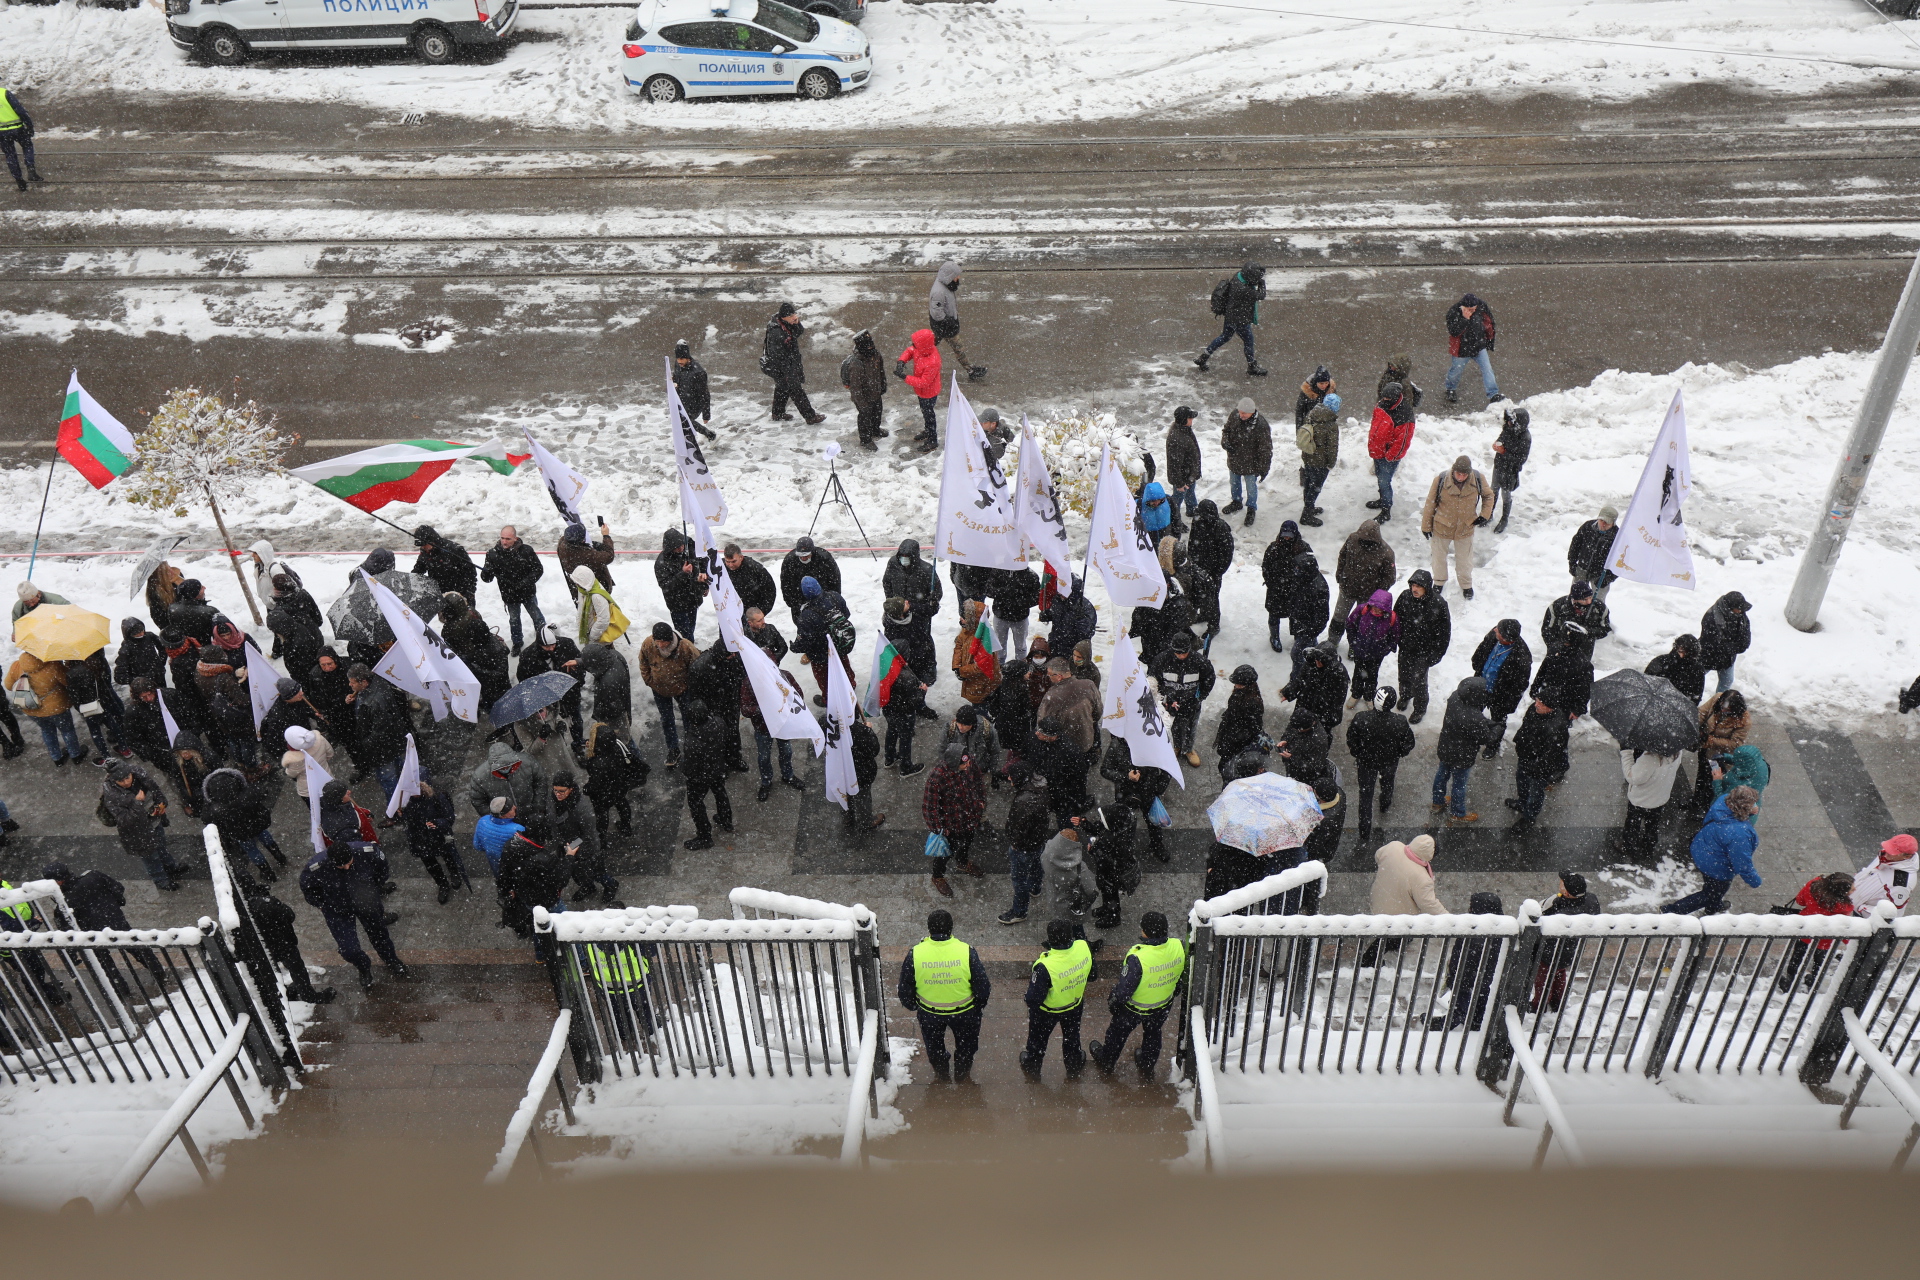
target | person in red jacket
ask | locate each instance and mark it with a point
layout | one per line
(924, 359)
(1828, 895)
(1470, 341)
(1387, 443)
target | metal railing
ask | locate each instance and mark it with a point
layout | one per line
(1207, 1096)
(1873, 1060)
(861, 1098)
(1527, 1070)
(124, 1188)
(520, 1129)
(658, 991)
(256, 968)
(1890, 1013)
(112, 1005)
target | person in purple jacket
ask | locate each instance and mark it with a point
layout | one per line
(1373, 632)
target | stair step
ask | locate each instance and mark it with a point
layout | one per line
(1382, 1147)
(1361, 1118)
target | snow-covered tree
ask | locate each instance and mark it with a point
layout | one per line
(1071, 447)
(199, 448)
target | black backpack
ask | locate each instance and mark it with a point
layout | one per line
(840, 631)
(846, 373)
(1219, 301)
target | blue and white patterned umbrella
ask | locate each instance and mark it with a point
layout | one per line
(1264, 814)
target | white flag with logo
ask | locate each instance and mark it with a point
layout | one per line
(262, 683)
(1651, 544)
(317, 780)
(420, 662)
(838, 726)
(166, 718)
(1037, 513)
(782, 705)
(1118, 547)
(409, 784)
(701, 492)
(728, 608)
(975, 524)
(1131, 708)
(564, 485)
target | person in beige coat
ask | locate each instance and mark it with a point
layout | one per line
(1459, 501)
(302, 743)
(1403, 879)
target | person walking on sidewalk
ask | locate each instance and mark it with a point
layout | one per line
(16, 131)
(1056, 997)
(954, 805)
(516, 568)
(1378, 740)
(919, 367)
(1143, 995)
(1388, 439)
(943, 317)
(139, 811)
(1464, 730)
(705, 765)
(1183, 462)
(1236, 300)
(343, 884)
(1459, 501)
(780, 360)
(1510, 454)
(1723, 849)
(1248, 442)
(1030, 825)
(946, 986)
(1470, 339)
(690, 383)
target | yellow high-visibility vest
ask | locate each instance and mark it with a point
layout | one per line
(1161, 965)
(625, 970)
(9, 118)
(1069, 970)
(943, 975)
(617, 622)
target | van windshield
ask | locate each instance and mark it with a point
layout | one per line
(791, 23)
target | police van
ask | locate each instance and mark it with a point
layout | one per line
(678, 49)
(226, 32)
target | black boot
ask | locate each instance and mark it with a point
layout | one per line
(1201, 360)
(1255, 369)
(34, 175)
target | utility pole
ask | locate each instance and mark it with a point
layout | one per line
(1850, 475)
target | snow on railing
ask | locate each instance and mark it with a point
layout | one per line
(1259, 891)
(58, 939)
(224, 904)
(1449, 926)
(1873, 1062)
(747, 898)
(121, 1191)
(31, 892)
(596, 926)
(520, 1127)
(853, 1136)
(1528, 1069)
(1207, 1090)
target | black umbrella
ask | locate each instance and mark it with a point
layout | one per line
(530, 696)
(355, 616)
(1645, 713)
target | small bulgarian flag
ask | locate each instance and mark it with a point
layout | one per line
(887, 667)
(92, 439)
(982, 650)
(401, 471)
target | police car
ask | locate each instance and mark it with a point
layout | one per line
(711, 49)
(226, 32)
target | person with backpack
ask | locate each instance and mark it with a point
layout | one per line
(1248, 442)
(1318, 439)
(1388, 439)
(1509, 456)
(1236, 300)
(1459, 501)
(864, 374)
(824, 629)
(943, 317)
(1470, 339)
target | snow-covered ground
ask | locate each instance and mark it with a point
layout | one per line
(1763, 446)
(1034, 62)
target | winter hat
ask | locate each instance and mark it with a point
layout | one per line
(549, 634)
(1734, 600)
(1154, 925)
(1610, 513)
(682, 350)
(1391, 392)
(341, 854)
(989, 414)
(425, 535)
(1420, 578)
(1059, 935)
(1183, 414)
(1288, 527)
(863, 343)
(663, 633)
(1331, 402)
(26, 591)
(563, 778)
(1463, 463)
(575, 533)
(809, 587)
(1244, 674)
(1485, 904)
(804, 546)
(968, 714)
(1246, 404)
(378, 561)
(1182, 642)
(118, 769)
(58, 871)
(498, 805)
(1326, 790)
(334, 792)
(1518, 418)
(1320, 375)
(286, 686)
(1902, 845)
(132, 628)
(786, 309)
(954, 756)
(1384, 698)
(1574, 883)
(582, 577)
(299, 739)
(1581, 590)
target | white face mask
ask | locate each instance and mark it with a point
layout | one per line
(906, 559)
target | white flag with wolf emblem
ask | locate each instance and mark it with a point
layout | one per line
(1037, 513)
(1651, 544)
(1118, 547)
(564, 485)
(975, 524)
(838, 726)
(702, 491)
(1132, 709)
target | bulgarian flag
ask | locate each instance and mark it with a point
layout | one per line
(92, 439)
(888, 666)
(401, 471)
(980, 648)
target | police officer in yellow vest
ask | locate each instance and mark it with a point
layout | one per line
(1056, 996)
(18, 918)
(1143, 996)
(944, 983)
(16, 130)
(620, 970)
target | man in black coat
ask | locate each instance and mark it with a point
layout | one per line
(1312, 606)
(1056, 758)
(715, 678)
(1015, 593)
(806, 561)
(690, 383)
(1470, 336)
(446, 562)
(1211, 542)
(1576, 618)
(516, 567)
(703, 761)
(1465, 731)
(751, 581)
(1426, 632)
(1303, 747)
(344, 885)
(682, 578)
(860, 817)
(1504, 664)
(1319, 684)
(1565, 679)
(1137, 786)
(191, 615)
(780, 360)
(1681, 667)
(381, 724)
(1540, 756)
(1074, 619)
(1378, 740)
(1587, 553)
(1236, 300)
(1185, 678)
(141, 654)
(98, 901)
(552, 651)
(297, 638)
(1725, 634)
(575, 834)
(1277, 570)
(1183, 463)
(1510, 453)
(275, 920)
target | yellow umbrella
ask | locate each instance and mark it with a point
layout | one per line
(56, 632)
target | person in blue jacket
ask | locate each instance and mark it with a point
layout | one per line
(1723, 849)
(1156, 513)
(495, 831)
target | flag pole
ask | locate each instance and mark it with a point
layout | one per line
(44, 495)
(363, 511)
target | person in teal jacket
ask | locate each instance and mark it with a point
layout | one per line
(1744, 767)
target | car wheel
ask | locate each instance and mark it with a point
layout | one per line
(433, 45)
(223, 47)
(663, 89)
(819, 85)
